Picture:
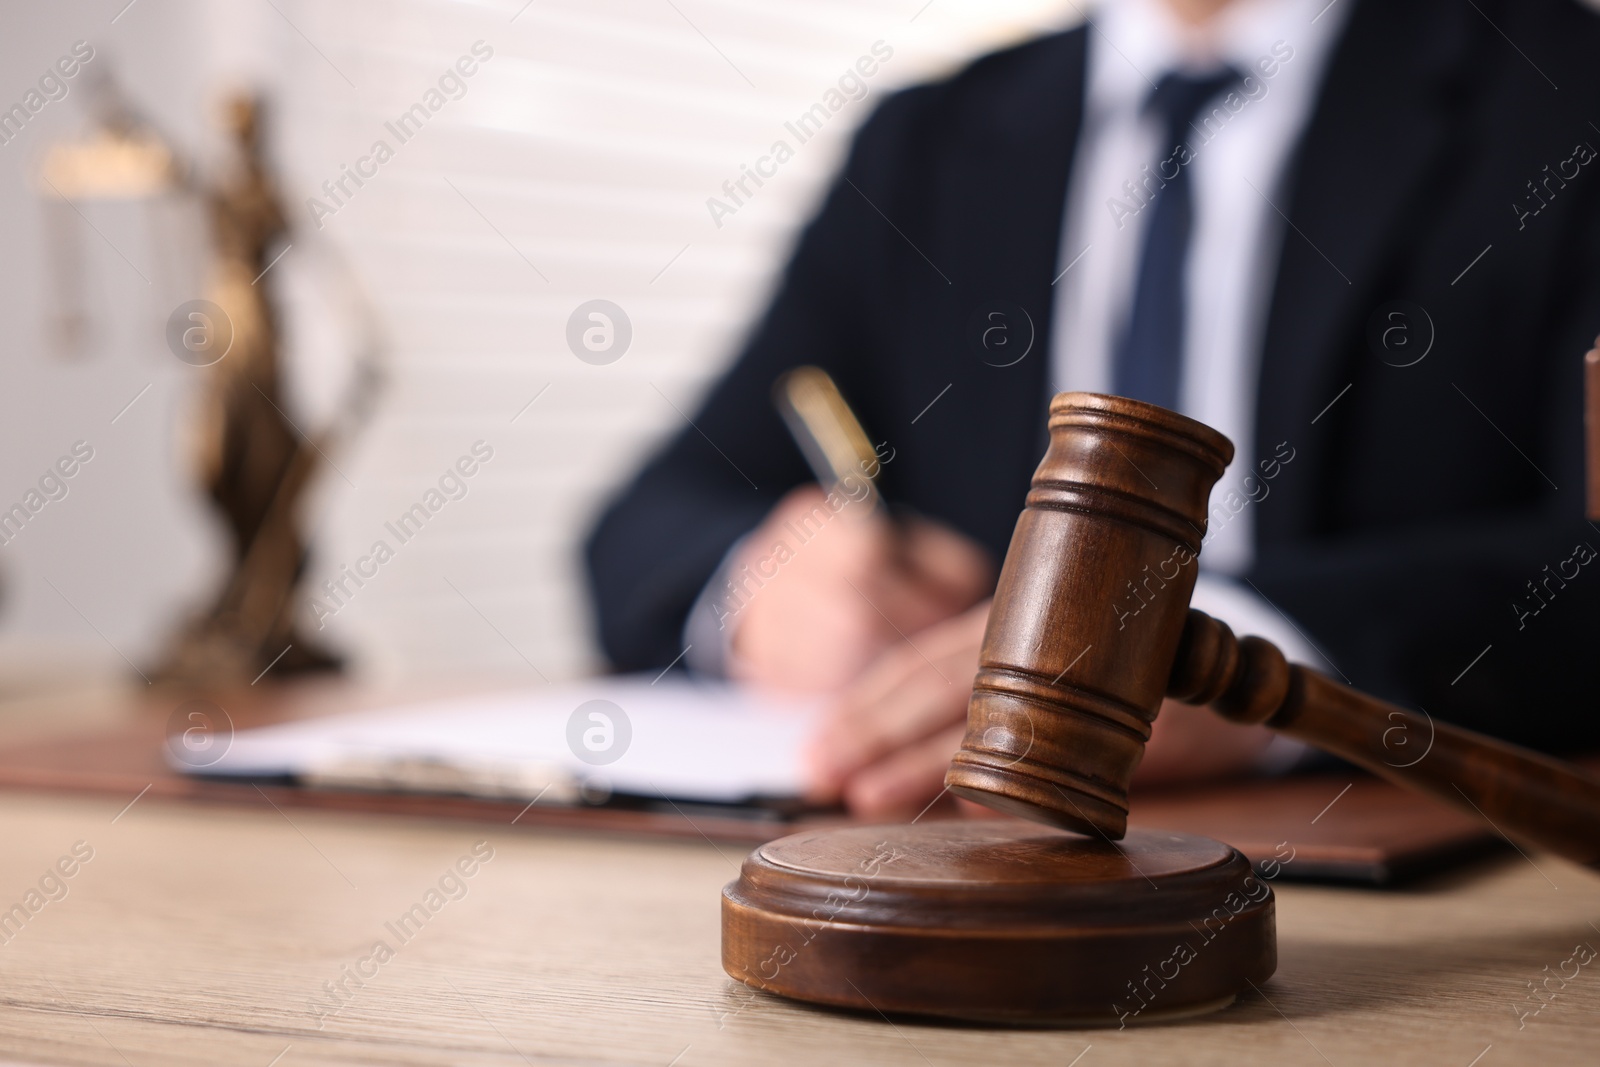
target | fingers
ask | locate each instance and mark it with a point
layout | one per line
(906, 782)
(1190, 744)
(931, 573)
(818, 591)
(899, 701)
(798, 615)
(914, 690)
(805, 638)
(947, 563)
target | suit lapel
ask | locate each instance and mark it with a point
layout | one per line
(1379, 129)
(1018, 164)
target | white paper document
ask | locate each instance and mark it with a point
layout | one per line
(677, 738)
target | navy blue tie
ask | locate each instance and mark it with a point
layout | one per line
(1148, 360)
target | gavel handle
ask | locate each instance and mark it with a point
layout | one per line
(1524, 796)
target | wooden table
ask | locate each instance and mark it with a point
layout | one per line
(199, 936)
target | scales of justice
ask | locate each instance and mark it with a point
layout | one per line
(254, 464)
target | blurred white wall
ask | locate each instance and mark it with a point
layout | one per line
(574, 164)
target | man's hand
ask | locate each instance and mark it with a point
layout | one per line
(1190, 744)
(884, 746)
(822, 590)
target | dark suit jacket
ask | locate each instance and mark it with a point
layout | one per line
(1418, 507)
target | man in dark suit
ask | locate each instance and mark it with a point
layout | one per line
(1399, 334)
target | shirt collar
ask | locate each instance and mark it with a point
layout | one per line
(1134, 42)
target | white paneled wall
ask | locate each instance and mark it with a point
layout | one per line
(590, 142)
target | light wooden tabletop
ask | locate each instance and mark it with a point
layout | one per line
(215, 936)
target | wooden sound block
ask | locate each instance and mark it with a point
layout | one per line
(999, 920)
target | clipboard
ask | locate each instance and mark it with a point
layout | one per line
(1345, 827)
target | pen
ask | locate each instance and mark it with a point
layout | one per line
(827, 431)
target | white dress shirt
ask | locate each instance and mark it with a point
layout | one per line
(1237, 174)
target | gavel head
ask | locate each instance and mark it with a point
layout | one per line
(1088, 613)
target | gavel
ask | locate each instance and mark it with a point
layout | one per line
(1004, 920)
(1091, 628)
